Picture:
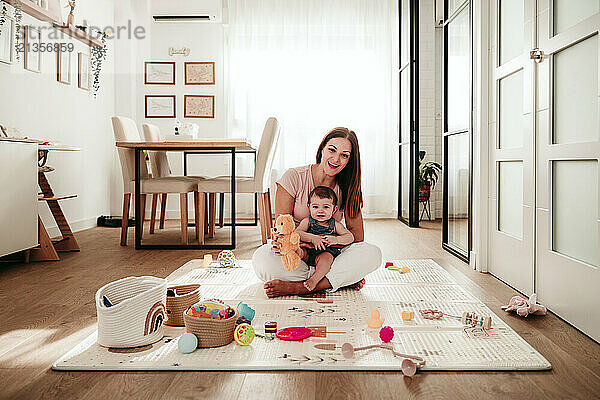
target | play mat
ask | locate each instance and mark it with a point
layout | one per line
(336, 318)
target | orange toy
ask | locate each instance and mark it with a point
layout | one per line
(289, 241)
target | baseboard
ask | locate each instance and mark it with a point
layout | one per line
(76, 226)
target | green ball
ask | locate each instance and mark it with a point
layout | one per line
(187, 343)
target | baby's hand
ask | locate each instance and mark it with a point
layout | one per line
(330, 240)
(318, 242)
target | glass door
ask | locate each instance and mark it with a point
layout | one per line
(408, 204)
(457, 128)
(567, 168)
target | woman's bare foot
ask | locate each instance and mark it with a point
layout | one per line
(277, 287)
(358, 285)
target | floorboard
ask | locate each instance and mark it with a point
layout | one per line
(49, 307)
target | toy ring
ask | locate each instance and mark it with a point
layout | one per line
(294, 333)
(244, 334)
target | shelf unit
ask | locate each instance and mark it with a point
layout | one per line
(55, 18)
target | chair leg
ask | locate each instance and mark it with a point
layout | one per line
(183, 206)
(125, 218)
(143, 217)
(199, 206)
(153, 212)
(221, 209)
(163, 210)
(262, 218)
(211, 214)
(205, 195)
(269, 213)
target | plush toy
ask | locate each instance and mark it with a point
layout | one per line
(524, 307)
(289, 241)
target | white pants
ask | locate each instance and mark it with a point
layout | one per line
(353, 264)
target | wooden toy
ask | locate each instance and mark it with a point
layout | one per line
(467, 318)
(270, 330)
(408, 315)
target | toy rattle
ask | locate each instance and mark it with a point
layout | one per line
(467, 318)
(244, 334)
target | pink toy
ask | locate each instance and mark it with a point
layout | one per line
(386, 334)
(524, 307)
(294, 333)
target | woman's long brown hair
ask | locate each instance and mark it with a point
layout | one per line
(347, 179)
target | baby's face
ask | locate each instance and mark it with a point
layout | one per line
(321, 209)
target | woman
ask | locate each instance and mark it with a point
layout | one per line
(337, 167)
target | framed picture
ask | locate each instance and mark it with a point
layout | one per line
(32, 40)
(7, 35)
(83, 71)
(159, 73)
(199, 73)
(160, 106)
(199, 106)
(64, 66)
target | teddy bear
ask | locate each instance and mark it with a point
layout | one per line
(289, 241)
(524, 307)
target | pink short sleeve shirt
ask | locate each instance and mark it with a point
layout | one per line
(298, 182)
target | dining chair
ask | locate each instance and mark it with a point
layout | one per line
(259, 183)
(125, 130)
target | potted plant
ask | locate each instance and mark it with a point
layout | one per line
(427, 178)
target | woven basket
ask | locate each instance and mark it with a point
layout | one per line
(211, 332)
(137, 313)
(185, 296)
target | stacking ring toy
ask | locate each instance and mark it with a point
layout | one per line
(244, 334)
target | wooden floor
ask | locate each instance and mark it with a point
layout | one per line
(47, 308)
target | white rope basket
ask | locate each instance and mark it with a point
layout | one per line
(137, 313)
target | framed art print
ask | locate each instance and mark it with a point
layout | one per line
(199, 106)
(32, 39)
(160, 106)
(199, 73)
(83, 71)
(159, 73)
(7, 35)
(63, 66)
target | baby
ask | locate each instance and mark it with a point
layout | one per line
(323, 231)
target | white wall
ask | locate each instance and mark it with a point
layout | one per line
(41, 107)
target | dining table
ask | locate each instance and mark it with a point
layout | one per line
(200, 146)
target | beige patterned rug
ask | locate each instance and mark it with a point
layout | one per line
(444, 344)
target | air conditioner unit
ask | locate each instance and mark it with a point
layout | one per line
(179, 11)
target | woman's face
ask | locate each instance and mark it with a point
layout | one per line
(335, 155)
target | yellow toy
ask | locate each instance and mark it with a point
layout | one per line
(243, 334)
(375, 321)
(408, 315)
(289, 241)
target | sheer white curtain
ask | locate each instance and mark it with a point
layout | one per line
(316, 65)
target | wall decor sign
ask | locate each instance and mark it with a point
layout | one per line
(159, 73)
(64, 66)
(32, 42)
(199, 106)
(184, 51)
(199, 73)
(160, 106)
(7, 35)
(83, 71)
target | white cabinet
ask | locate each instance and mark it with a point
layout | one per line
(18, 197)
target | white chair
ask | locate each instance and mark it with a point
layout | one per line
(259, 183)
(125, 130)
